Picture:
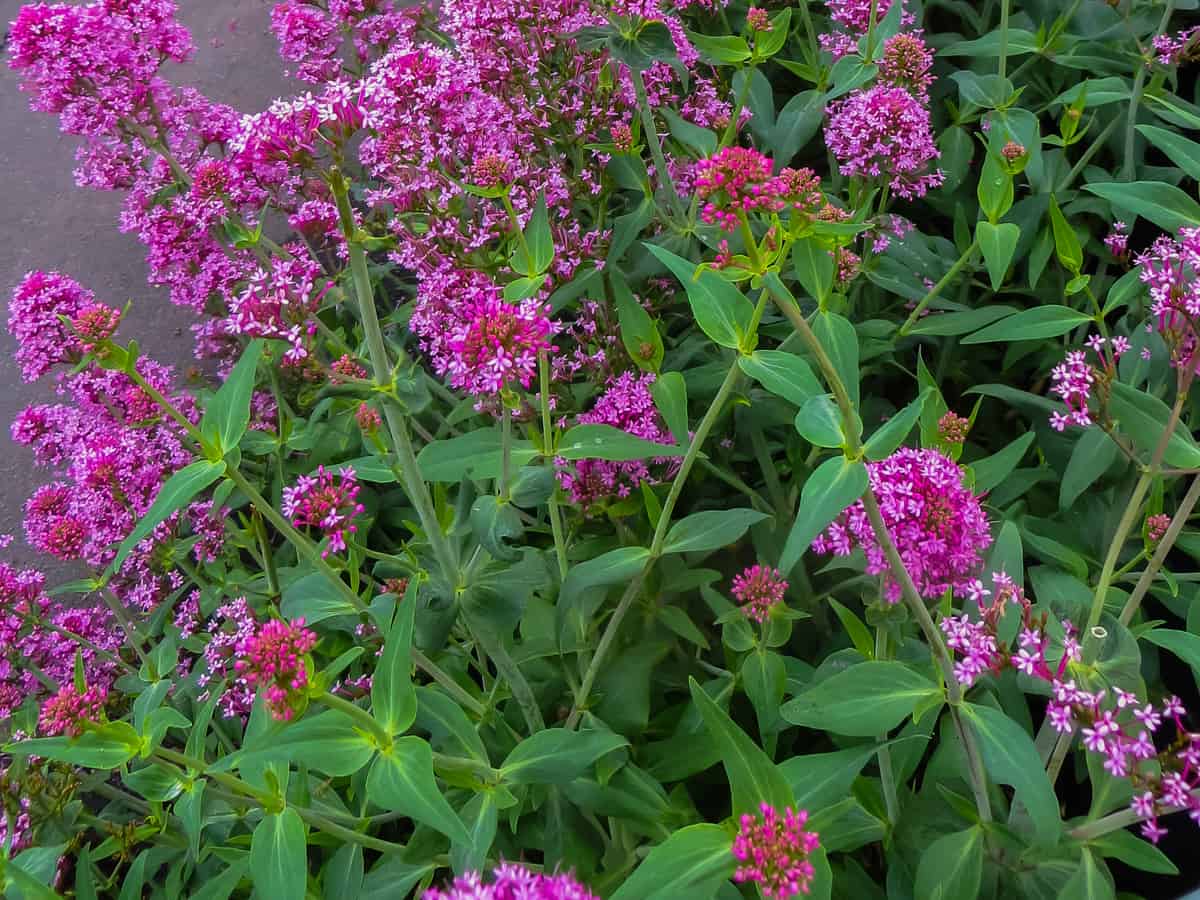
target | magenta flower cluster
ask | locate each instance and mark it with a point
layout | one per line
(773, 850)
(1075, 378)
(852, 20)
(70, 711)
(496, 344)
(1173, 49)
(510, 881)
(327, 501)
(232, 626)
(738, 181)
(271, 659)
(1170, 268)
(626, 404)
(759, 589)
(936, 523)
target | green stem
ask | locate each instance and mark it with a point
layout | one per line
(937, 289)
(452, 687)
(662, 173)
(1139, 83)
(1089, 831)
(505, 450)
(363, 719)
(1093, 148)
(132, 632)
(1160, 552)
(548, 442)
(887, 777)
(493, 645)
(1003, 38)
(414, 485)
(260, 534)
(656, 544)
(871, 30)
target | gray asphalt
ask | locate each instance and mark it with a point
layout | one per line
(48, 223)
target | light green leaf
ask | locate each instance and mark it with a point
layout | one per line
(179, 490)
(835, 484)
(784, 374)
(107, 747)
(1091, 881)
(402, 781)
(538, 240)
(278, 863)
(607, 442)
(393, 698)
(819, 422)
(328, 742)
(558, 755)
(311, 598)
(1039, 322)
(951, 867)
(864, 701)
(1161, 204)
(858, 632)
(1133, 851)
(997, 243)
(670, 396)
(721, 310)
(1183, 644)
(476, 454)
(840, 341)
(710, 530)
(228, 412)
(1066, 244)
(814, 268)
(753, 778)
(639, 334)
(822, 779)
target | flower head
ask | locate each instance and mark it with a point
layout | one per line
(759, 589)
(1156, 527)
(326, 501)
(33, 319)
(773, 851)
(937, 524)
(953, 428)
(272, 660)
(70, 710)
(497, 344)
(510, 881)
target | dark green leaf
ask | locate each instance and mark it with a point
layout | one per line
(955, 323)
(783, 374)
(393, 698)
(822, 779)
(992, 470)
(864, 700)
(1183, 152)
(1039, 322)
(1091, 881)
(1133, 851)
(402, 781)
(104, 748)
(638, 331)
(693, 862)
(476, 454)
(710, 530)
(608, 442)
(819, 423)
(1183, 644)
(538, 240)
(1094, 453)
(891, 434)
(998, 243)
(180, 489)
(312, 598)
(952, 867)
(1144, 418)
(1162, 204)
(670, 396)
(558, 755)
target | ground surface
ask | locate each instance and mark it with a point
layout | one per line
(48, 223)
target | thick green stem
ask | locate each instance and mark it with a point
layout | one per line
(1165, 543)
(661, 172)
(937, 289)
(556, 527)
(414, 485)
(363, 719)
(656, 544)
(1003, 68)
(1089, 831)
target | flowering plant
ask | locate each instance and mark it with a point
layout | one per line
(638, 450)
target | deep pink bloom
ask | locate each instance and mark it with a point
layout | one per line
(510, 881)
(271, 659)
(1171, 270)
(759, 589)
(852, 19)
(33, 319)
(1072, 381)
(1156, 527)
(739, 180)
(884, 133)
(773, 851)
(906, 63)
(497, 344)
(280, 304)
(326, 501)
(1173, 49)
(936, 523)
(1117, 241)
(69, 711)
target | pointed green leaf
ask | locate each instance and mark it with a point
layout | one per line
(814, 268)
(557, 755)
(1091, 881)
(819, 422)
(608, 442)
(393, 698)
(840, 341)
(539, 241)
(670, 396)
(228, 412)
(891, 434)
(639, 334)
(179, 490)
(784, 374)
(1094, 453)
(1039, 322)
(952, 867)
(997, 243)
(693, 862)
(278, 863)
(710, 530)
(835, 484)
(865, 700)
(402, 781)
(721, 310)
(1162, 204)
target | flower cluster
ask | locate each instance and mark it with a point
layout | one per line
(739, 180)
(33, 320)
(31, 626)
(232, 626)
(511, 882)
(1117, 241)
(773, 851)
(326, 501)
(271, 659)
(497, 344)
(1171, 270)
(279, 304)
(1181, 47)
(70, 711)
(1156, 527)
(759, 589)
(1075, 378)
(937, 524)
(626, 404)
(852, 19)
(953, 428)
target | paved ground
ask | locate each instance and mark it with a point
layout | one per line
(48, 223)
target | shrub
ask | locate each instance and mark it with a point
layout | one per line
(645, 451)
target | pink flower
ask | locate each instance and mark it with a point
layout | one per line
(510, 881)
(906, 63)
(1072, 381)
(738, 180)
(272, 660)
(773, 852)
(759, 589)
(42, 341)
(936, 523)
(327, 502)
(70, 711)
(497, 344)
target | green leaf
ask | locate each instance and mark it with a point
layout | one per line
(1133, 851)
(343, 874)
(693, 862)
(995, 189)
(1183, 152)
(328, 742)
(1020, 41)
(858, 632)
(822, 779)
(638, 332)
(1094, 453)
(539, 241)
(173, 496)
(107, 747)
(311, 598)
(1162, 204)
(891, 434)
(228, 412)
(670, 396)
(1183, 644)
(723, 49)
(1009, 757)
(558, 755)
(496, 524)
(393, 698)
(955, 323)
(767, 44)
(997, 243)
(721, 310)
(392, 878)
(476, 454)
(840, 341)
(374, 469)
(764, 679)
(753, 778)
(1066, 244)
(608, 442)
(1039, 322)
(814, 268)
(710, 530)
(784, 374)
(701, 140)
(219, 887)
(614, 567)
(992, 470)
(835, 484)
(447, 724)
(819, 422)
(1091, 881)
(278, 861)
(952, 867)
(1144, 418)
(402, 781)
(865, 700)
